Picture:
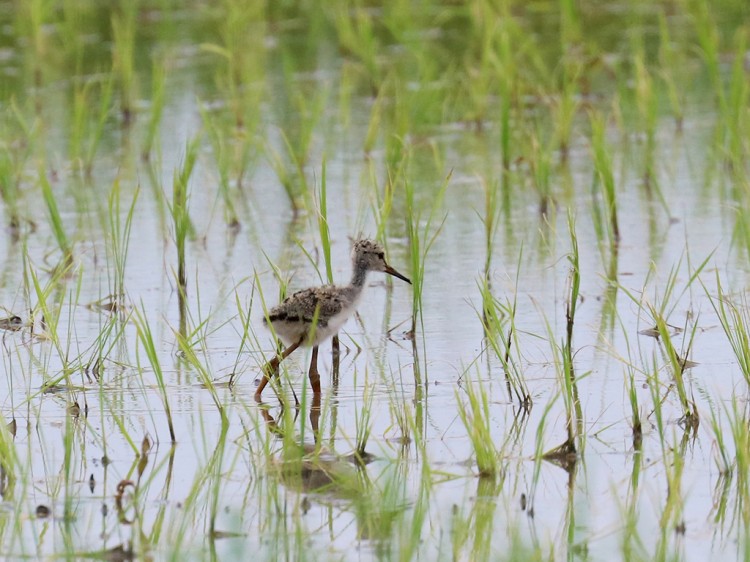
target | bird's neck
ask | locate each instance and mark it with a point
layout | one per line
(358, 277)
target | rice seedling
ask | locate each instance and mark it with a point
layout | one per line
(735, 118)
(363, 425)
(421, 108)
(493, 90)
(490, 221)
(404, 423)
(10, 467)
(646, 104)
(734, 320)
(721, 451)
(30, 21)
(68, 472)
(678, 364)
(567, 453)
(709, 42)
(421, 238)
(221, 149)
(56, 221)
(570, 393)
(741, 440)
(476, 419)
(630, 387)
(355, 33)
(475, 94)
(241, 30)
(375, 122)
(669, 61)
(489, 317)
(9, 192)
(677, 361)
(246, 321)
(159, 70)
(48, 308)
(382, 202)
(604, 180)
(501, 334)
(325, 240)
(190, 357)
(123, 57)
(74, 16)
(565, 98)
(244, 315)
(119, 242)
(307, 107)
(323, 228)
(87, 129)
(502, 38)
(636, 422)
(540, 162)
(183, 226)
(148, 344)
(292, 176)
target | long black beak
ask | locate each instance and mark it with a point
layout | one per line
(388, 269)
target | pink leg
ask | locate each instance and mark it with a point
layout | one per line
(271, 368)
(314, 375)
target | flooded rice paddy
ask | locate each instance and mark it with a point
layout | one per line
(565, 183)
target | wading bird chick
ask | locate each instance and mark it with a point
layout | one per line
(311, 316)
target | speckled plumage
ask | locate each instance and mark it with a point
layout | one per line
(294, 318)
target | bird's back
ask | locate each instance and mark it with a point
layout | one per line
(293, 318)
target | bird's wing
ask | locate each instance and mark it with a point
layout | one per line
(331, 302)
(304, 303)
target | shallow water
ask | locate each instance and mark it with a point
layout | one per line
(221, 495)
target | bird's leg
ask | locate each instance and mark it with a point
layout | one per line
(315, 417)
(335, 358)
(335, 346)
(271, 368)
(314, 375)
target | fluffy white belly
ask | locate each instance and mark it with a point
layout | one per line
(291, 331)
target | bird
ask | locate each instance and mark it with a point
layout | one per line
(311, 316)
